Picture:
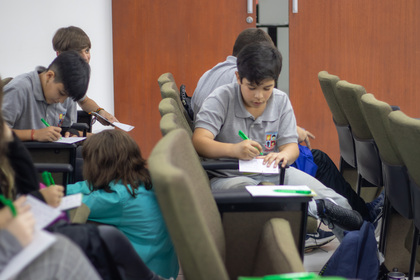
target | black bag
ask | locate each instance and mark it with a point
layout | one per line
(186, 101)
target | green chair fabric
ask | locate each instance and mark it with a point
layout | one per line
(191, 214)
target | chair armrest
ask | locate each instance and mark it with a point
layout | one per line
(82, 127)
(54, 167)
(276, 252)
(220, 164)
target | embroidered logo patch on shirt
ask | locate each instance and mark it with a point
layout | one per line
(61, 119)
(270, 140)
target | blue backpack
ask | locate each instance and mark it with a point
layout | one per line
(356, 257)
(305, 161)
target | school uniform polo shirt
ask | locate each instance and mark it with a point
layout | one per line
(24, 104)
(221, 74)
(223, 113)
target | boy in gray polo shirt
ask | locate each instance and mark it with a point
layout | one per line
(265, 115)
(44, 94)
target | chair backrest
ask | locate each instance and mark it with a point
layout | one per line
(171, 121)
(169, 90)
(169, 106)
(328, 85)
(164, 78)
(190, 212)
(348, 95)
(406, 133)
(5, 81)
(376, 115)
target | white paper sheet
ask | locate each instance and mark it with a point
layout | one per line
(277, 190)
(256, 166)
(70, 201)
(70, 140)
(125, 127)
(41, 242)
(43, 213)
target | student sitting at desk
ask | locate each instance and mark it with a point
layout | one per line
(44, 94)
(118, 190)
(265, 115)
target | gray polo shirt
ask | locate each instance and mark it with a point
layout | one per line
(221, 74)
(223, 113)
(24, 104)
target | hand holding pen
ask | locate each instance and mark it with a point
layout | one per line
(53, 193)
(47, 134)
(248, 149)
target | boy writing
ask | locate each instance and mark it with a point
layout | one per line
(265, 114)
(44, 94)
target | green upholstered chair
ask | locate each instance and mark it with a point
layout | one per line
(175, 120)
(406, 134)
(199, 233)
(369, 166)
(170, 90)
(396, 221)
(164, 78)
(347, 153)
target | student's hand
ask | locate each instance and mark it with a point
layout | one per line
(22, 227)
(276, 159)
(47, 134)
(6, 215)
(247, 149)
(107, 115)
(69, 134)
(304, 135)
(53, 195)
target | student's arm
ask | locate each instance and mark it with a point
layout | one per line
(88, 105)
(206, 146)
(304, 136)
(287, 154)
(47, 134)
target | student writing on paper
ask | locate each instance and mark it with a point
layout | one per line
(62, 260)
(106, 248)
(49, 94)
(265, 115)
(119, 192)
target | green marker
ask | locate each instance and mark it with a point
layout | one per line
(47, 178)
(8, 203)
(45, 122)
(293, 191)
(243, 136)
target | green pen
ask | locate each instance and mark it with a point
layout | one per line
(47, 178)
(45, 122)
(243, 136)
(8, 203)
(293, 191)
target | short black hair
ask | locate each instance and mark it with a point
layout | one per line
(73, 71)
(248, 36)
(259, 61)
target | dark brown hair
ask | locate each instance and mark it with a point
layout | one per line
(248, 36)
(6, 170)
(70, 38)
(112, 155)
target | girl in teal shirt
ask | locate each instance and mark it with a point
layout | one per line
(118, 191)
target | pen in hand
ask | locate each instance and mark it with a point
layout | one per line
(47, 178)
(45, 122)
(243, 136)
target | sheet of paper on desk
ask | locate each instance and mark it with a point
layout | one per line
(42, 241)
(70, 140)
(125, 127)
(43, 213)
(267, 190)
(256, 166)
(70, 201)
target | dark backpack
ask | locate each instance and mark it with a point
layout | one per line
(356, 257)
(186, 101)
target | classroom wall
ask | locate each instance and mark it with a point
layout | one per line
(26, 32)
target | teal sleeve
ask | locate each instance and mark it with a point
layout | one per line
(104, 207)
